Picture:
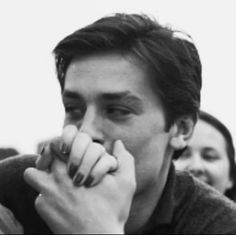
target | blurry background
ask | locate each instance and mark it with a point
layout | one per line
(30, 104)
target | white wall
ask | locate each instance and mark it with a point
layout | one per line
(30, 103)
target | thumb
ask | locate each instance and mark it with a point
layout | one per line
(125, 159)
(36, 178)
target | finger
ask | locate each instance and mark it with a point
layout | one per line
(79, 146)
(59, 173)
(67, 138)
(54, 146)
(40, 204)
(93, 152)
(125, 159)
(37, 179)
(45, 158)
(106, 164)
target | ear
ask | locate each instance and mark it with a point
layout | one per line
(181, 131)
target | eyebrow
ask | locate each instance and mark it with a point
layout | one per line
(105, 96)
(125, 97)
(71, 95)
(118, 96)
(210, 149)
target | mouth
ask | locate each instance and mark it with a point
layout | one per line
(203, 178)
(207, 181)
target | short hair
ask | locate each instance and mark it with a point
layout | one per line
(218, 125)
(173, 61)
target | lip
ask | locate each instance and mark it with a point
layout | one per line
(203, 178)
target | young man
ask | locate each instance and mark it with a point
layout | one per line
(131, 91)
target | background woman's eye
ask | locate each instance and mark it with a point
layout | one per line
(210, 157)
(186, 154)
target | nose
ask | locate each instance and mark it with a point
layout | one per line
(91, 124)
(196, 166)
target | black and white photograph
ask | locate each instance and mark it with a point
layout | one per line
(117, 117)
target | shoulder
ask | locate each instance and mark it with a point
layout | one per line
(17, 196)
(11, 174)
(12, 168)
(8, 223)
(19, 161)
(201, 209)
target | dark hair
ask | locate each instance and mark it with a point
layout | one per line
(218, 125)
(7, 152)
(173, 61)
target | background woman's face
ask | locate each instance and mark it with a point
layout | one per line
(206, 157)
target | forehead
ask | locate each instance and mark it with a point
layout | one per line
(206, 135)
(102, 73)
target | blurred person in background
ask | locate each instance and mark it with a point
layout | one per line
(8, 223)
(210, 155)
(7, 152)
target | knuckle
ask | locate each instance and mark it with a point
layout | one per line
(83, 135)
(98, 148)
(97, 173)
(69, 129)
(59, 177)
(53, 145)
(39, 203)
(133, 185)
(28, 172)
(68, 135)
(59, 171)
(74, 159)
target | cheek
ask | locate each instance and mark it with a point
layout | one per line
(181, 164)
(219, 171)
(147, 147)
(220, 176)
(138, 141)
(141, 138)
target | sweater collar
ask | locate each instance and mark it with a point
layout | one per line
(163, 213)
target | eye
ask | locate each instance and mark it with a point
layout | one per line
(210, 157)
(186, 154)
(118, 111)
(74, 112)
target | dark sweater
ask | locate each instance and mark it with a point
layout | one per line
(187, 206)
(17, 196)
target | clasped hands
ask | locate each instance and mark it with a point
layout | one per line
(82, 188)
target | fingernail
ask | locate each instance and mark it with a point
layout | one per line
(72, 170)
(88, 181)
(42, 149)
(78, 179)
(64, 149)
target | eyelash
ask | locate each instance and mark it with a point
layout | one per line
(209, 157)
(116, 112)
(121, 110)
(73, 111)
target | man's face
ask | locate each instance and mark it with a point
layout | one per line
(110, 97)
(206, 157)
